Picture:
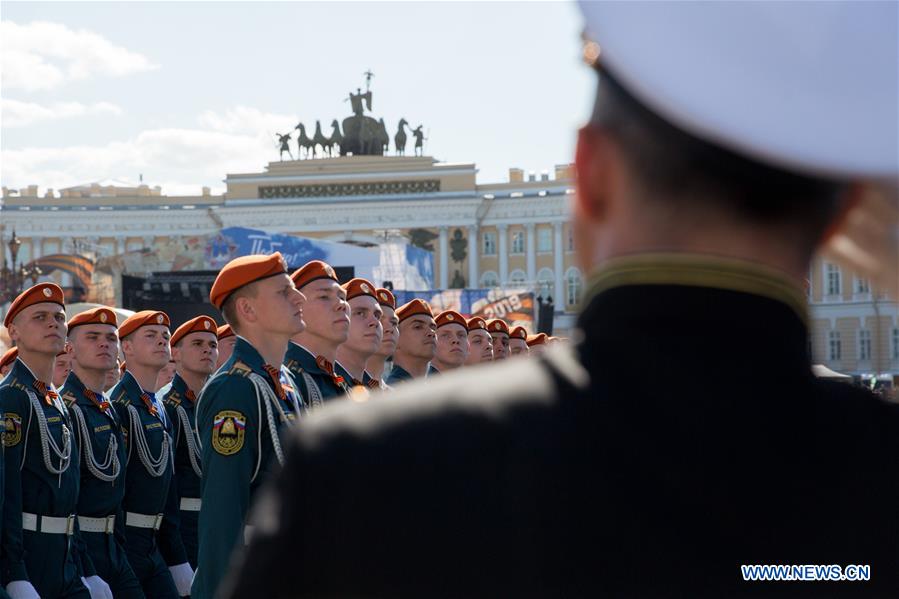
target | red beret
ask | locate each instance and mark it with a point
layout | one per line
(9, 356)
(475, 323)
(243, 271)
(142, 319)
(519, 333)
(357, 287)
(497, 325)
(416, 306)
(386, 298)
(101, 315)
(200, 324)
(313, 271)
(39, 294)
(450, 317)
(224, 331)
(538, 339)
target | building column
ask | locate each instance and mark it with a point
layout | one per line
(503, 233)
(472, 256)
(37, 247)
(444, 258)
(558, 256)
(531, 241)
(119, 245)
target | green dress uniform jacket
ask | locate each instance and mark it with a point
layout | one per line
(397, 375)
(101, 443)
(240, 416)
(180, 406)
(316, 384)
(41, 488)
(150, 504)
(683, 436)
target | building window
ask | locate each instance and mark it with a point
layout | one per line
(832, 279)
(570, 243)
(864, 345)
(489, 243)
(545, 282)
(517, 242)
(489, 280)
(862, 286)
(518, 278)
(896, 343)
(573, 286)
(835, 352)
(544, 240)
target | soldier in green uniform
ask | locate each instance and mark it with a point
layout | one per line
(452, 342)
(195, 351)
(376, 364)
(499, 332)
(365, 332)
(683, 434)
(312, 355)
(417, 342)
(41, 484)
(150, 507)
(480, 342)
(243, 408)
(95, 345)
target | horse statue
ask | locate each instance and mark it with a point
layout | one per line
(284, 140)
(336, 139)
(303, 142)
(383, 138)
(419, 140)
(318, 139)
(367, 134)
(399, 140)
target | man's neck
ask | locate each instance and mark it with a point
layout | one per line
(441, 366)
(318, 346)
(352, 360)
(90, 378)
(375, 366)
(194, 380)
(144, 375)
(414, 365)
(40, 365)
(271, 347)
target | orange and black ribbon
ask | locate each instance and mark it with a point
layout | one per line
(148, 401)
(48, 394)
(374, 383)
(189, 394)
(275, 375)
(101, 405)
(325, 365)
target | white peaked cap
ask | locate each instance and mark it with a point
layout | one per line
(811, 87)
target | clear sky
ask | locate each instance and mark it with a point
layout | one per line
(184, 93)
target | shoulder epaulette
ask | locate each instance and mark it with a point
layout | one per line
(69, 398)
(15, 384)
(122, 398)
(173, 399)
(240, 369)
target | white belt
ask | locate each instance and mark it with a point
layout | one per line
(191, 504)
(50, 524)
(105, 525)
(153, 521)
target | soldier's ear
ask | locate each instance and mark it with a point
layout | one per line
(246, 310)
(598, 168)
(176, 354)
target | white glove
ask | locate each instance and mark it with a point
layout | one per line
(183, 575)
(21, 589)
(97, 587)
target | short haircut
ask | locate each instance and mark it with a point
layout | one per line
(673, 166)
(229, 307)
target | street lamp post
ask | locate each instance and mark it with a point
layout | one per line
(12, 279)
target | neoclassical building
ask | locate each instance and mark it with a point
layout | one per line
(511, 234)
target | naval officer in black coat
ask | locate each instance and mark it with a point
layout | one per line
(683, 435)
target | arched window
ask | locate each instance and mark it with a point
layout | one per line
(573, 286)
(517, 278)
(489, 280)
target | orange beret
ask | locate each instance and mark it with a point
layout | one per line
(519, 333)
(386, 298)
(142, 319)
(497, 325)
(39, 294)
(475, 323)
(450, 317)
(200, 324)
(224, 331)
(101, 315)
(9, 356)
(243, 271)
(357, 287)
(416, 306)
(313, 271)
(538, 339)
